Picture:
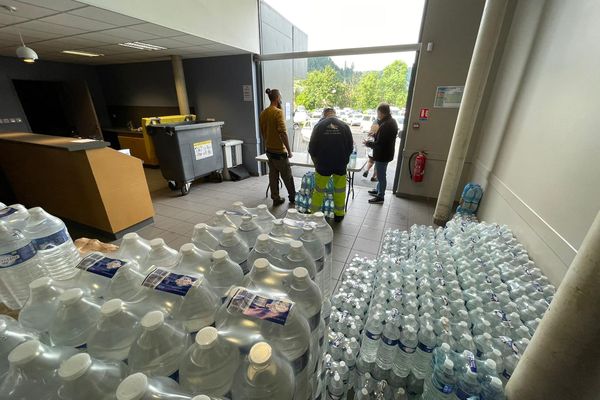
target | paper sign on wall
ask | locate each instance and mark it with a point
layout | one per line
(448, 96)
(203, 149)
(424, 114)
(247, 92)
(288, 111)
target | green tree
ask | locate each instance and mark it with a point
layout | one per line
(320, 89)
(394, 83)
(368, 92)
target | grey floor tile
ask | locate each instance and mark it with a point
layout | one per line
(373, 224)
(347, 228)
(178, 241)
(370, 233)
(366, 245)
(340, 253)
(337, 268)
(344, 240)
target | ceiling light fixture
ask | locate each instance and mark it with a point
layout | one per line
(142, 46)
(25, 53)
(81, 53)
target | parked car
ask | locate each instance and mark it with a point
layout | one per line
(316, 113)
(367, 123)
(300, 116)
(356, 119)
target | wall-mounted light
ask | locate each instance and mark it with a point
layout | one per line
(25, 53)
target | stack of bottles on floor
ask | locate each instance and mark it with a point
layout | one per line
(441, 314)
(238, 313)
(304, 195)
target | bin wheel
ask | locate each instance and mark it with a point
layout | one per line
(172, 185)
(185, 188)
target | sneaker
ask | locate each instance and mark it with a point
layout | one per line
(338, 218)
(373, 179)
(365, 174)
(279, 201)
(376, 200)
(373, 192)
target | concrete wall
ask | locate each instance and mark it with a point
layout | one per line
(538, 153)
(12, 68)
(231, 22)
(452, 27)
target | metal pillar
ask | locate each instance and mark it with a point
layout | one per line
(180, 88)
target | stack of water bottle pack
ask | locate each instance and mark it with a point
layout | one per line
(441, 314)
(304, 195)
(150, 322)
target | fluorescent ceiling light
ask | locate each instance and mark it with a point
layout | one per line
(81, 53)
(142, 46)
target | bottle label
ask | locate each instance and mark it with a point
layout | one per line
(169, 282)
(313, 322)
(471, 363)
(506, 374)
(6, 211)
(300, 363)
(423, 347)
(447, 389)
(252, 305)
(54, 240)
(320, 263)
(462, 395)
(388, 341)
(16, 257)
(406, 349)
(397, 294)
(97, 264)
(509, 342)
(372, 336)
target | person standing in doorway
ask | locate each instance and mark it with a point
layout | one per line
(277, 144)
(383, 150)
(330, 147)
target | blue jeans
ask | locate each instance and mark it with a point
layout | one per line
(381, 169)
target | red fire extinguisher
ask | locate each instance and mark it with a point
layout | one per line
(417, 172)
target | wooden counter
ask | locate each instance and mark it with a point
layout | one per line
(79, 180)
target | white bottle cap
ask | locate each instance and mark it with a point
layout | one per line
(487, 336)
(238, 204)
(201, 397)
(319, 214)
(262, 207)
(70, 296)
(246, 218)
(39, 283)
(111, 307)
(292, 211)
(263, 238)
(448, 364)
(158, 242)
(24, 352)
(75, 366)
(260, 354)
(187, 248)
(228, 231)
(207, 337)
(133, 387)
(300, 273)
(497, 352)
(496, 382)
(219, 255)
(153, 320)
(277, 222)
(200, 226)
(467, 336)
(296, 244)
(490, 364)
(220, 213)
(363, 391)
(131, 236)
(445, 346)
(261, 264)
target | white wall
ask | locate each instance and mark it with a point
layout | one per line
(231, 22)
(539, 148)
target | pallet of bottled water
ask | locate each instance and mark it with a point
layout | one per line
(442, 313)
(239, 312)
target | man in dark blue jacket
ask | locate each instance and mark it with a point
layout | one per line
(330, 147)
(383, 147)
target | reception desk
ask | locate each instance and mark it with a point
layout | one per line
(80, 180)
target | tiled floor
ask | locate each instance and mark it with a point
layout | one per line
(359, 234)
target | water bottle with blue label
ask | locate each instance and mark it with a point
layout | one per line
(83, 377)
(441, 385)
(422, 361)
(14, 216)
(49, 235)
(468, 386)
(19, 266)
(74, 319)
(159, 347)
(209, 365)
(388, 345)
(40, 308)
(236, 248)
(11, 335)
(143, 387)
(316, 249)
(325, 233)
(370, 339)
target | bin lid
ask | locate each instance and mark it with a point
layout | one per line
(181, 126)
(231, 142)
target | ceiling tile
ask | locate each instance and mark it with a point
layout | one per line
(26, 10)
(193, 40)
(7, 19)
(99, 14)
(169, 43)
(130, 34)
(74, 21)
(156, 30)
(102, 37)
(109, 50)
(70, 43)
(57, 5)
(47, 27)
(28, 34)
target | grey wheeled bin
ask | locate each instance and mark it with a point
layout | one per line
(187, 151)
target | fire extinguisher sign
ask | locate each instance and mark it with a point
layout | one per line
(424, 114)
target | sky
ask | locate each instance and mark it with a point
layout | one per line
(338, 24)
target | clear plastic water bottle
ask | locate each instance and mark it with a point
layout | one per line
(407, 346)
(75, 318)
(236, 248)
(388, 345)
(484, 343)
(204, 239)
(14, 216)
(263, 375)
(83, 377)
(56, 251)
(370, 339)
(316, 249)
(353, 156)
(299, 257)
(264, 218)
(133, 247)
(263, 249)
(510, 363)
(193, 260)
(468, 386)
(278, 229)
(19, 266)
(223, 273)
(249, 230)
(362, 394)
(199, 304)
(222, 220)
(492, 389)
(98, 273)
(442, 383)
(335, 388)
(139, 386)
(11, 335)
(209, 365)
(33, 372)
(159, 347)
(422, 361)
(325, 234)
(41, 306)
(115, 331)
(159, 256)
